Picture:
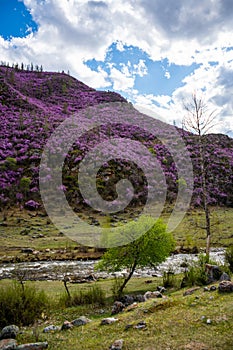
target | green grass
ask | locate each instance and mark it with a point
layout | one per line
(172, 323)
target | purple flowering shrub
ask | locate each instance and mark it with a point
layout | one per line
(33, 104)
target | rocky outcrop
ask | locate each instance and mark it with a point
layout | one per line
(225, 287)
(81, 321)
(9, 332)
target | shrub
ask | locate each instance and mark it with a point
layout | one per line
(21, 306)
(229, 257)
(196, 273)
(32, 205)
(117, 282)
(169, 279)
(94, 296)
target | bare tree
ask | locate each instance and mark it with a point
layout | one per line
(199, 120)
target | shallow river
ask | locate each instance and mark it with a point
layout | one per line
(51, 270)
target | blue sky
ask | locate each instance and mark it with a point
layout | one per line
(154, 54)
(16, 20)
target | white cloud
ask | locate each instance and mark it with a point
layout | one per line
(70, 32)
(167, 75)
(140, 68)
(212, 83)
(120, 46)
(122, 80)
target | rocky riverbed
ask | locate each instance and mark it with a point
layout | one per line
(85, 270)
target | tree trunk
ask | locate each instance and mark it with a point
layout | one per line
(208, 247)
(205, 198)
(66, 288)
(126, 280)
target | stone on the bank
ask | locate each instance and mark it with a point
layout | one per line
(212, 288)
(131, 307)
(9, 332)
(225, 277)
(140, 325)
(51, 328)
(161, 289)
(81, 321)
(139, 298)
(108, 320)
(66, 325)
(117, 345)
(8, 344)
(33, 346)
(190, 291)
(152, 295)
(213, 272)
(127, 300)
(130, 299)
(225, 286)
(118, 306)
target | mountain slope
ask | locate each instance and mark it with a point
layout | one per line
(33, 104)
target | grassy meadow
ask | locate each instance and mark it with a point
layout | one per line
(175, 322)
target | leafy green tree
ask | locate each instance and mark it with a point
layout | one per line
(148, 249)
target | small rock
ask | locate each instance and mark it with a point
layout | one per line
(161, 289)
(66, 325)
(27, 250)
(225, 277)
(213, 272)
(118, 306)
(108, 320)
(36, 252)
(206, 289)
(212, 288)
(51, 328)
(81, 321)
(139, 298)
(152, 295)
(225, 286)
(131, 307)
(117, 345)
(33, 346)
(140, 325)
(8, 344)
(208, 321)
(127, 300)
(190, 291)
(9, 332)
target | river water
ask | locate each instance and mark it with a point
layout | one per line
(56, 270)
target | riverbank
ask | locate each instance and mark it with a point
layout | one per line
(27, 236)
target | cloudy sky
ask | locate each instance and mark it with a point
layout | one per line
(155, 53)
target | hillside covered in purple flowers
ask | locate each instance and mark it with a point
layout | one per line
(34, 103)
